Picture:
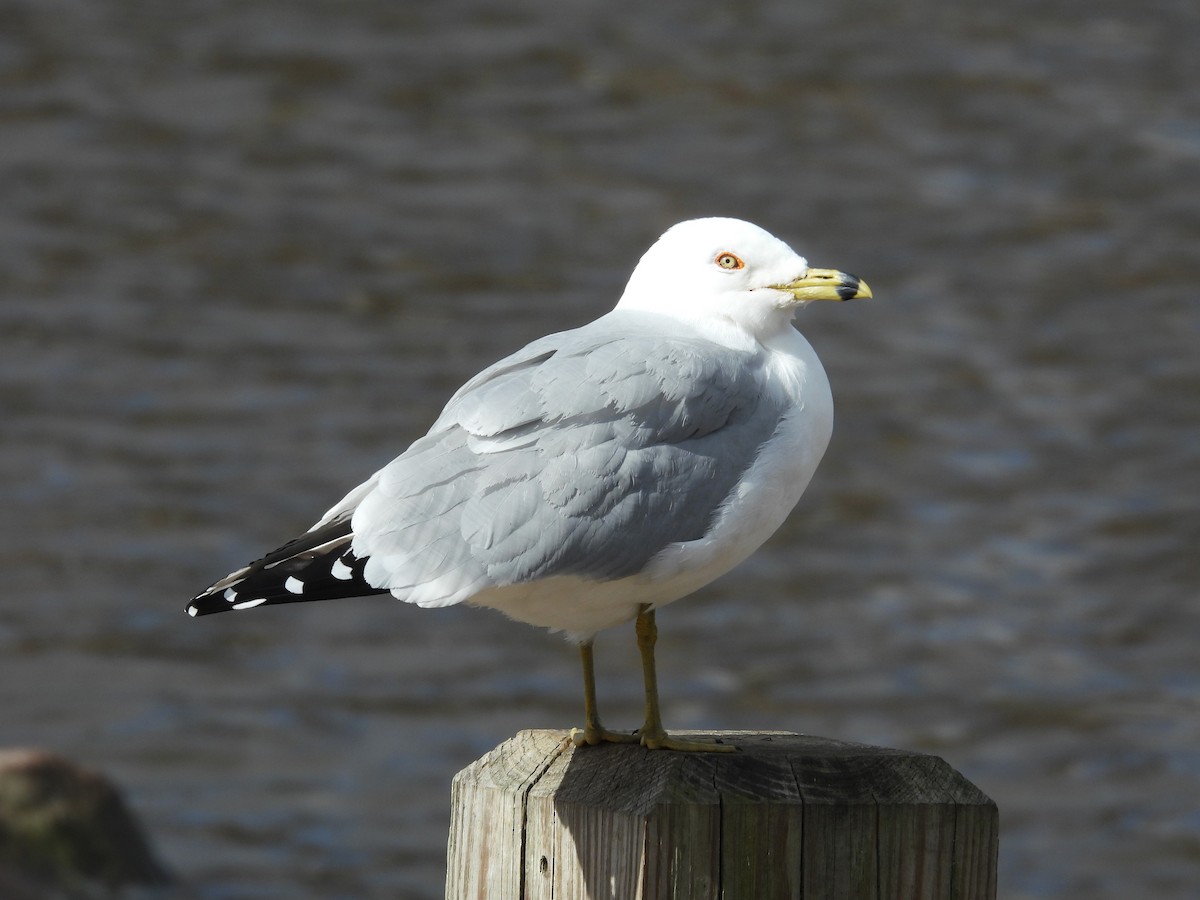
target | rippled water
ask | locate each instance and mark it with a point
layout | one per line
(248, 248)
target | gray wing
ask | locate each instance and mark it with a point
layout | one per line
(584, 454)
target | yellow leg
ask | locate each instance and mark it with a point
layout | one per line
(652, 734)
(593, 732)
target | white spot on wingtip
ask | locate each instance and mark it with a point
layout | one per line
(295, 585)
(248, 604)
(191, 611)
(341, 571)
(230, 595)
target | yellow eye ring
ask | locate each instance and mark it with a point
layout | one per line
(729, 261)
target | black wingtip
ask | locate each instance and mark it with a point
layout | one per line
(216, 601)
(332, 572)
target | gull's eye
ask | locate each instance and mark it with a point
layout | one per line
(729, 261)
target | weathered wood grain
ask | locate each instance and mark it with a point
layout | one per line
(790, 816)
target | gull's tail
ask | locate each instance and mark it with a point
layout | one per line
(318, 565)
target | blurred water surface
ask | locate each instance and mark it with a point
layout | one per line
(248, 248)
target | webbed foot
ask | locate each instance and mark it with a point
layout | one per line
(658, 739)
(598, 734)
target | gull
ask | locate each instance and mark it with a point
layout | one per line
(598, 474)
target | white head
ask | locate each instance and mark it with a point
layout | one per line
(734, 271)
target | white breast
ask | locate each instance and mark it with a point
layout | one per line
(773, 484)
(759, 505)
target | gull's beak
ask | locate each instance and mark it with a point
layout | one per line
(826, 284)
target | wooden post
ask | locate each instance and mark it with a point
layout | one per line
(789, 816)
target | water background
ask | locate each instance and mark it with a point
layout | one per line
(247, 250)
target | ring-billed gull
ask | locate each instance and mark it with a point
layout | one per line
(601, 473)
